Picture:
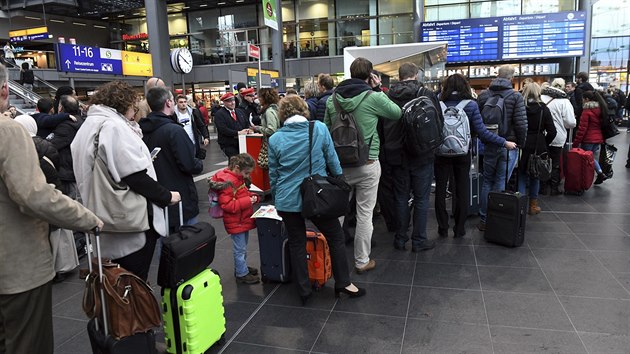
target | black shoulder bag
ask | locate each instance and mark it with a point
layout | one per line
(539, 166)
(322, 196)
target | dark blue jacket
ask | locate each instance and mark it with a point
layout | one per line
(176, 164)
(321, 105)
(311, 102)
(476, 122)
(514, 109)
(46, 123)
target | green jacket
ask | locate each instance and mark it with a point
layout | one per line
(350, 94)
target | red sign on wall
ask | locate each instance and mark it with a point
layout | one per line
(254, 51)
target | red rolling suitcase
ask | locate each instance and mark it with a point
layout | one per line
(580, 171)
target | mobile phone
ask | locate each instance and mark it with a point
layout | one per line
(155, 152)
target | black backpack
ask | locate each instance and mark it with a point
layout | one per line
(423, 125)
(347, 138)
(493, 113)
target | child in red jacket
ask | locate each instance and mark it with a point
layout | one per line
(237, 203)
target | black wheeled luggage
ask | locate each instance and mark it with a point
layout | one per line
(101, 340)
(506, 216)
(185, 253)
(476, 181)
(275, 264)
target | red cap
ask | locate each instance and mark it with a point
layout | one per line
(247, 91)
(227, 96)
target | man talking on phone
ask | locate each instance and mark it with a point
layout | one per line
(175, 164)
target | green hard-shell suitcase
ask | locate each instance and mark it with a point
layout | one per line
(193, 314)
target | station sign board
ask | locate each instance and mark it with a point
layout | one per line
(29, 34)
(86, 59)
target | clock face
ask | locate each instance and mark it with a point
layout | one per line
(185, 60)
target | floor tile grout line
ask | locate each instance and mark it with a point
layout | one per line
(251, 316)
(413, 277)
(70, 339)
(549, 329)
(325, 322)
(559, 301)
(67, 299)
(70, 318)
(269, 346)
(602, 264)
(483, 300)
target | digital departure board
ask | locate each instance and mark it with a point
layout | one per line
(511, 37)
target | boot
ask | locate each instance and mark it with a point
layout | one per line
(533, 207)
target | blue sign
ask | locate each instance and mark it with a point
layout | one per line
(510, 37)
(84, 59)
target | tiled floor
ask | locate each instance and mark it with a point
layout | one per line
(566, 290)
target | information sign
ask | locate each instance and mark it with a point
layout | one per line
(86, 59)
(29, 34)
(511, 37)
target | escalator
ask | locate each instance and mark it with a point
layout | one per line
(25, 101)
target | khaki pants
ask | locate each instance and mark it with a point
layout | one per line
(364, 179)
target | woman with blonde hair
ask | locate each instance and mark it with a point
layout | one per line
(288, 167)
(540, 133)
(311, 90)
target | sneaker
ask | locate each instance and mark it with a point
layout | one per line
(252, 271)
(371, 265)
(248, 279)
(423, 246)
(481, 226)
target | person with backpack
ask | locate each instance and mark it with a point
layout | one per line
(237, 203)
(412, 172)
(503, 112)
(461, 113)
(541, 132)
(353, 111)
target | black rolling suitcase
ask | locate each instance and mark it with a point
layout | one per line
(185, 253)
(476, 181)
(505, 218)
(100, 339)
(275, 264)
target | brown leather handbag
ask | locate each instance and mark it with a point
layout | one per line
(131, 306)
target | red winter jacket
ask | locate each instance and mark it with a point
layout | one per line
(234, 199)
(590, 129)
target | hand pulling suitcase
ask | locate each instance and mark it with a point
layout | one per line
(100, 339)
(275, 264)
(193, 314)
(580, 171)
(185, 253)
(318, 259)
(506, 215)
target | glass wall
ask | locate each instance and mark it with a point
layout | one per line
(438, 10)
(610, 46)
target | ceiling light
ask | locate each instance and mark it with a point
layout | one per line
(32, 18)
(55, 20)
(240, 1)
(79, 24)
(39, 51)
(136, 14)
(99, 26)
(120, 16)
(105, 18)
(203, 5)
(185, 7)
(220, 3)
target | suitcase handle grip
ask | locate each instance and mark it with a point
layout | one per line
(192, 228)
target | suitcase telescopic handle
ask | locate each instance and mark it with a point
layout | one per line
(99, 261)
(181, 216)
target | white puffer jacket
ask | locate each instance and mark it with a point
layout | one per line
(562, 112)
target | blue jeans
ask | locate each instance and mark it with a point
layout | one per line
(595, 149)
(191, 221)
(494, 173)
(417, 179)
(239, 248)
(524, 181)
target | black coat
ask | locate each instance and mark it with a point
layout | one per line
(579, 100)
(251, 108)
(61, 140)
(535, 112)
(228, 128)
(175, 165)
(46, 123)
(200, 131)
(45, 148)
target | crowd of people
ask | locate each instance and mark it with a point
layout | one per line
(151, 148)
